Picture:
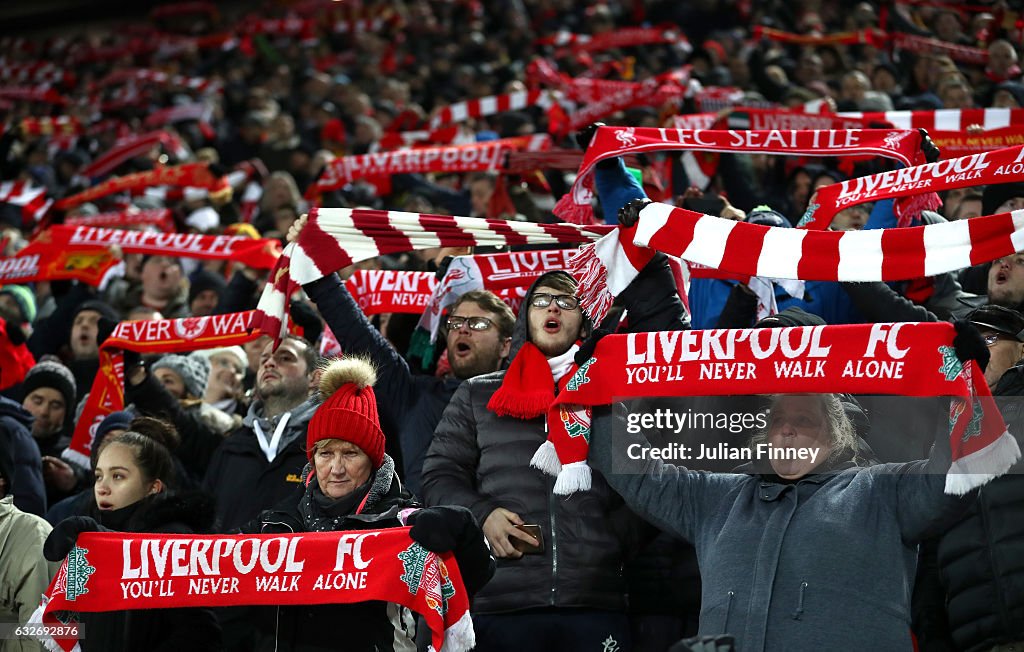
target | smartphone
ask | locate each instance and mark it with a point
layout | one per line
(524, 547)
(708, 204)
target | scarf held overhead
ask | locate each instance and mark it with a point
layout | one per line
(194, 175)
(609, 142)
(148, 336)
(334, 238)
(108, 571)
(908, 359)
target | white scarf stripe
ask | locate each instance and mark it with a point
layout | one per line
(862, 257)
(780, 253)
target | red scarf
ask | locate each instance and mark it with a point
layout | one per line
(47, 126)
(195, 175)
(954, 144)
(870, 36)
(899, 359)
(921, 44)
(457, 158)
(528, 388)
(148, 336)
(1000, 166)
(15, 361)
(610, 142)
(160, 218)
(59, 240)
(108, 571)
(54, 264)
(625, 37)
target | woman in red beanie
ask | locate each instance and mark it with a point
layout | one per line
(351, 484)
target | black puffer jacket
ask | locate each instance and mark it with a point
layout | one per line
(981, 558)
(194, 629)
(482, 461)
(359, 626)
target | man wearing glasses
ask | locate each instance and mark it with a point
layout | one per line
(559, 583)
(479, 330)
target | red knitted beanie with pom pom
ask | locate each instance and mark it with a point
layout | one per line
(349, 410)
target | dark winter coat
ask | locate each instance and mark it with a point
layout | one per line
(359, 626)
(27, 483)
(241, 479)
(173, 630)
(980, 559)
(410, 405)
(482, 461)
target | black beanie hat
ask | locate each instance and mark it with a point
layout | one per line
(994, 196)
(203, 280)
(49, 372)
(96, 305)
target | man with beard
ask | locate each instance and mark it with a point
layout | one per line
(260, 464)
(479, 331)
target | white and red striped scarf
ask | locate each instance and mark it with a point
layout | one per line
(31, 198)
(37, 72)
(46, 126)
(158, 78)
(488, 106)
(956, 52)
(457, 158)
(610, 265)
(334, 238)
(42, 93)
(944, 119)
(610, 142)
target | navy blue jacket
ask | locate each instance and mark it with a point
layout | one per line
(27, 483)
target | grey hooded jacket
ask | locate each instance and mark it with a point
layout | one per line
(824, 563)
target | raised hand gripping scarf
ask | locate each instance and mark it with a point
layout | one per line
(115, 571)
(906, 359)
(334, 238)
(148, 336)
(609, 142)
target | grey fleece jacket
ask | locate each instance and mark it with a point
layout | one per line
(826, 563)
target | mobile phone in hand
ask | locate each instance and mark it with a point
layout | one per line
(526, 548)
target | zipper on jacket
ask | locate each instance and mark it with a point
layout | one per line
(1004, 619)
(728, 611)
(798, 614)
(554, 546)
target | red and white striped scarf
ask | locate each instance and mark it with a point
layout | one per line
(956, 52)
(611, 142)
(488, 106)
(611, 264)
(127, 148)
(46, 126)
(30, 197)
(944, 119)
(334, 238)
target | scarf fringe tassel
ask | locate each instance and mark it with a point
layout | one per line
(460, 637)
(47, 642)
(575, 476)
(592, 276)
(965, 473)
(523, 407)
(546, 459)
(569, 211)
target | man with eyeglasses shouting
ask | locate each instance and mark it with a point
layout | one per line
(559, 583)
(479, 331)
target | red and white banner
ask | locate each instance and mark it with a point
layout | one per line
(112, 571)
(148, 336)
(945, 119)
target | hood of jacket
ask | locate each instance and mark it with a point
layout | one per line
(521, 332)
(13, 410)
(297, 423)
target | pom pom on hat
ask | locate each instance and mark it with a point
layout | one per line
(349, 408)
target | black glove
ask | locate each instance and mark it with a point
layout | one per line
(586, 134)
(969, 344)
(305, 316)
(104, 329)
(453, 528)
(15, 333)
(63, 537)
(586, 349)
(629, 214)
(442, 529)
(928, 146)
